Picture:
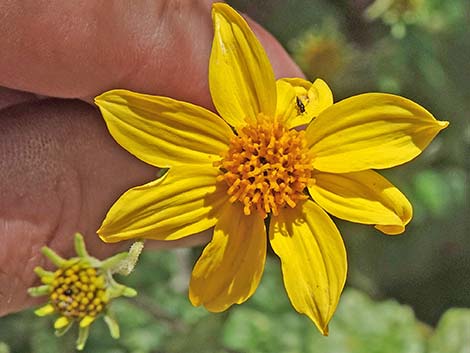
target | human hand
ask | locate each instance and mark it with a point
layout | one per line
(60, 170)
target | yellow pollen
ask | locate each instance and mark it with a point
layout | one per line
(71, 297)
(267, 167)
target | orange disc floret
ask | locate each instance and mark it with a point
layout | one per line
(267, 167)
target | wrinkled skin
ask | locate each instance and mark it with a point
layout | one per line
(59, 169)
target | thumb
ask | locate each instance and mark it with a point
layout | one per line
(60, 170)
(80, 49)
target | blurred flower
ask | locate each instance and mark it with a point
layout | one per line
(251, 167)
(322, 52)
(80, 290)
(395, 13)
(431, 15)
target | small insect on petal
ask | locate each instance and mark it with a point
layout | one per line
(300, 105)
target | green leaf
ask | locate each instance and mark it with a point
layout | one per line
(434, 191)
(362, 325)
(4, 348)
(452, 334)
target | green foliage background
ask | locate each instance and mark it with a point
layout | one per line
(406, 294)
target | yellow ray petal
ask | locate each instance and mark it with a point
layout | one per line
(61, 322)
(310, 100)
(241, 78)
(363, 197)
(184, 201)
(231, 265)
(87, 321)
(313, 260)
(162, 131)
(286, 108)
(45, 310)
(370, 131)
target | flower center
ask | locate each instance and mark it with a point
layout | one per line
(267, 167)
(78, 291)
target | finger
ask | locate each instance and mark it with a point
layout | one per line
(71, 49)
(60, 171)
(9, 97)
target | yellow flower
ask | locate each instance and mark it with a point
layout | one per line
(248, 169)
(80, 290)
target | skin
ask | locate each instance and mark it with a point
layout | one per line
(60, 171)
